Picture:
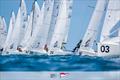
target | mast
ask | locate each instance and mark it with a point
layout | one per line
(10, 31)
(111, 19)
(90, 35)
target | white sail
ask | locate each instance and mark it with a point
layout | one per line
(53, 21)
(3, 32)
(23, 21)
(48, 11)
(60, 27)
(10, 32)
(20, 26)
(28, 31)
(92, 29)
(16, 31)
(36, 25)
(111, 18)
(69, 13)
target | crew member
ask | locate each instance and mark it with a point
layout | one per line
(77, 47)
(46, 48)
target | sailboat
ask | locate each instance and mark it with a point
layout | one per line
(10, 31)
(51, 10)
(19, 29)
(42, 27)
(42, 32)
(60, 30)
(107, 46)
(37, 21)
(110, 46)
(90, 36)
(3, 33)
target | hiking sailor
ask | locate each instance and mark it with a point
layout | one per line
(77, 46)
(55, 46)
(46, 48)
(63, 46)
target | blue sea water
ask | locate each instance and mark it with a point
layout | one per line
(57, 63)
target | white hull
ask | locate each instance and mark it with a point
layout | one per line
(14, 52)
(55, 52)
(107, 49)
(61, 53)
(104, 50)
(38, 52)
(89, 53)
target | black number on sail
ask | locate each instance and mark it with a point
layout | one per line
(105, 49)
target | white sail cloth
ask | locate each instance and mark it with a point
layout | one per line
(111, 18)
(58, 36)
(10, 32)
(90, 35)
(20, 26)
(3, 32)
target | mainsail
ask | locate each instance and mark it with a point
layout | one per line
(48, 11)
(16, 32)
(3, 32)
(111, 19)
(90, 35)
(69, 13)
(59, 33)
(20, 26)
(53, 21)
(27, 36)
(36, 25)
(10, 32)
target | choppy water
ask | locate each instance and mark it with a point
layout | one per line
(57, 63)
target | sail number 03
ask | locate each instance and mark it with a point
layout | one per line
(104, 48)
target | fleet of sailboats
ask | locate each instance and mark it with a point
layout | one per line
(46, 29)
(107, 46)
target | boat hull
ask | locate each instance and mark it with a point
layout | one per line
(108, 49)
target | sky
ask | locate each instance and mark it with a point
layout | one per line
(81, 16)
